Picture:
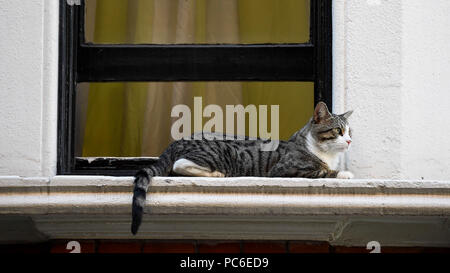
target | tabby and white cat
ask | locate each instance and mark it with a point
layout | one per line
(312, 152)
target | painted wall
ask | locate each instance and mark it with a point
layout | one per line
(369, 43)
(426, 90)
(391, 59)
(21, 87)
(392, 66)
(28, 87)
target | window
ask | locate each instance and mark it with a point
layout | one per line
(253, 61)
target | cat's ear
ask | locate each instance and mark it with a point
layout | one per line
(347, 114)
(321, 112)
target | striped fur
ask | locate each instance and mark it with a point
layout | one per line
(231, 158)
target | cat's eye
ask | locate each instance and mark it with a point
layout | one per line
(339, 131)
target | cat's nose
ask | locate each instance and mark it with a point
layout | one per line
(348, 142)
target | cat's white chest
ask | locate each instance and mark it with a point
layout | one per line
(331, 159)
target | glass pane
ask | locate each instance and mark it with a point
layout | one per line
(141, 119)
(197, 21)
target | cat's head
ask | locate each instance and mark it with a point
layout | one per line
(330, 132)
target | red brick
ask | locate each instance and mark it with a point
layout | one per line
(344, 249)
(406, 250)
(219, 247)
(436, 250)
(387, 250)
(264, 247)
(169, 247)
(119, 247)
(87, 246)
(308, 247)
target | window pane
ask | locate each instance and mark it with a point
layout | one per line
(197, 21)
(135, 119)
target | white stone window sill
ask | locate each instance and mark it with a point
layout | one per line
(341, 212)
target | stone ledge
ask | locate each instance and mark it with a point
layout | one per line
(342, 212)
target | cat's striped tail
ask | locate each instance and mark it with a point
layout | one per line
(161, 167)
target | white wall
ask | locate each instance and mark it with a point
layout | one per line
(368, 70)
(391, 59)
(28, 79)
(426, 90)
(21, 86)
(392, 66)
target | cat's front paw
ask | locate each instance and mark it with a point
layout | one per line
(345, 175)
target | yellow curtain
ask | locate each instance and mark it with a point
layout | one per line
(133, 119)
(278, 21)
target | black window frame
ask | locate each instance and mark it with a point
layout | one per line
(84, 62)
